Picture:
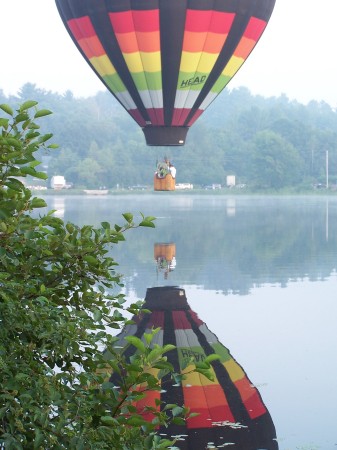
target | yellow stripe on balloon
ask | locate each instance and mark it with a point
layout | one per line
(201, 62)
(151, 61)
(197, 379)
(233, 66)
(234, 370)
(103, 65)
(207, 62)
(189, 62)
(140, 62)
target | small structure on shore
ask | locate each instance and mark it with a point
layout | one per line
(58, 182)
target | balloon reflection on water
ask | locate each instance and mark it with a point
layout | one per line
(165, 257)
(230, 409)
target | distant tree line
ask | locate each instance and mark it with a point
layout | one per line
(267, 143)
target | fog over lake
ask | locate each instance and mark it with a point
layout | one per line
(260, 272)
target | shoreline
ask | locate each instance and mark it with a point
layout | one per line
(190, 192)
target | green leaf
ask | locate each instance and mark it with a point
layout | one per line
(27, 105)
(45, 138)
(169, 406)
(97, 315)
(14, 184)
(5, 213)
(38, 439)
(21, 117)
(14, 143)
(128, 217)
(4, 122)
(136, 342)
(164, 365)
(202, 365)
(212, 357)
(177, 410)
(108, 420)
(148, 338)
(147, 223)
(34, 163)
(70, 227)
(205, 372)
(91, 260)
(42, 112)
(178, 421)
(136, 421)
(168, 347)
(6, 108)
(38, 203)
(165, 443)
(41, 175)
(155, 354)
(27, 170)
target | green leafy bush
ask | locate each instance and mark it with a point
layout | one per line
(56, 281)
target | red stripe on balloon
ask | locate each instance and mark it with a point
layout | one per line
(136, 115)
(156, 115)
(81, 28)
(157, 317)
(255, 28)
(196, 115)
(128, 21)
(196, 319)
(179, 116)
(208, 21)
(180, 320)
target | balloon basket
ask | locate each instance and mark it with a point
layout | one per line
(167, 183)
(163, 250)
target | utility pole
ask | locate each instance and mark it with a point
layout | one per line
(327, 168)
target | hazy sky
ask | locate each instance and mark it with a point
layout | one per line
(296, 55)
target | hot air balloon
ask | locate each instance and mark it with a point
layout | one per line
(230, 408)
(165, 61)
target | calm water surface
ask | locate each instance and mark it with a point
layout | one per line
(261, 273)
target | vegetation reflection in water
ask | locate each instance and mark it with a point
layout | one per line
(229, 244)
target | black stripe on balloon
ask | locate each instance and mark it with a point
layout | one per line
(244, 9)
(104, 30)
(131, 349)
(66, 9)
(141, 328)
(138, 5)
(232, 394)
(172, 25)
(171, 393)
(96, 10)
(232, 41)
(260, 9)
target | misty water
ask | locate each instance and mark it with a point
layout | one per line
(260, 272)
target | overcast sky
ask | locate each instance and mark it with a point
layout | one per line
(296, 55)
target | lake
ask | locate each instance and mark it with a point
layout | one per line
(260, 272)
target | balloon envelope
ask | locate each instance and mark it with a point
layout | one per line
(165, 60)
